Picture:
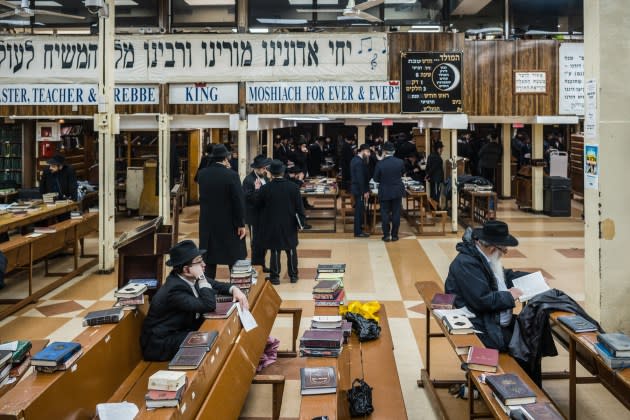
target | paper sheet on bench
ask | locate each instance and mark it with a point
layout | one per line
(463, 311)
(246, 317)
(117, 411)
(531, 285)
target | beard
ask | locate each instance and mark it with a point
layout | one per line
(497, 267)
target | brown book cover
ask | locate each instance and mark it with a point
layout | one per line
(510, 389)
(326, 286)
(442, 301)
(322, 338)
(203, 339)
(318, 380)
(222, 310)
(483, 359)
(187, 358)
(335, 302)
(542, 411)
(158, 395)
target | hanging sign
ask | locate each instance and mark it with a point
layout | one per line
(571, 79)
(75, 94)
(318, 92)
(203, 93)
(431, 82)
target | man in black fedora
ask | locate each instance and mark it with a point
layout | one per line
(282, 212)
(178, 306)
(435, 171)
(222, 213)
(388, 173)
(478, 279)
(258, 175)
(360, 187)
(59, 178)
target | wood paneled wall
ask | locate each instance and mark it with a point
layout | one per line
(488, 69)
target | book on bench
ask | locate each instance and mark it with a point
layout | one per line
(331, 268)
(458, 324)
(61, 366)
(222, 310)
(610, 360)
(187, 358)
(618, 344)
(577, 324)
(44, 229)
(541, 411)
(131, 290)
(55, 353)
(167, 380)
(105, 316)
(158, 399)
(443, 301)
(204, 339)
(483, 359)
(318, 380)
(510, 389)
(322, 338)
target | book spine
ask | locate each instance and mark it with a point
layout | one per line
(321, 343)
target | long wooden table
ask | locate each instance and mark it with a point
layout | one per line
(507, 364)
(374, 362)
(477, 207)
(12, 221)
(23, 251)
(581, 348)
(322, 213)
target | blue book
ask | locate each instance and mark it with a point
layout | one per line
(55, 353)
(612, 362)
(577, 324)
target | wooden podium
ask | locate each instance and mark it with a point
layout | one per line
(141, 251)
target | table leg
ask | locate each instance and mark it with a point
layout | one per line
(30, 269)
(572, 379)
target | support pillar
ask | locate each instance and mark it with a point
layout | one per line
(270, 142)
(242, 148)
(506, 161)
(427, 151)
(385, 133)
(454, 196)
(537, 171)
(164, 167)
(607, 232)
(107, 125)
(320, 129)
(360, 134)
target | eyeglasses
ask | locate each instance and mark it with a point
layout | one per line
(196, 262)
(503, 249)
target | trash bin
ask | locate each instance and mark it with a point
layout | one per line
(557, 196)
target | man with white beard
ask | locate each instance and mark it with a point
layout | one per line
(482, 285)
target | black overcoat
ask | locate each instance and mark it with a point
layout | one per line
(279, 202)
(63, 181)
(388, 174)
(221, 214)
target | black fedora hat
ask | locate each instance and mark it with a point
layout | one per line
(363, 147)
(389, 147)
(260, 161)
(56, 160)
(495, 232)
(276, 167)
(219, 151)
(438, 145)
(183, 252)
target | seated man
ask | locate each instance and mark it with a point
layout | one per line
(59, 178)
(178, 306)
(481, 283)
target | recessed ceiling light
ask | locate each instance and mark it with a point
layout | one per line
(311, 2)
(266, 21)
(259, 30)
(210, 2)
(125, 3)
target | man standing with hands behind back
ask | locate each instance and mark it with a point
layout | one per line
(222, 214)
(360, 187)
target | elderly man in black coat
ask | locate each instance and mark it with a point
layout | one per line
(252, 214)
(59, 178)
(360, 187)
(478, 279)
(388, 174)
(282, 213)
(222, 214)
(178, 306)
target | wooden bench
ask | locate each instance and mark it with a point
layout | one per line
(581, 348)
(23, 252)
(474, 380)
(11, 221)
(109, 356)
(374, 362)
(418, 205)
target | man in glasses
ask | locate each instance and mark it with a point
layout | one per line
(178, 306)
(482, 285)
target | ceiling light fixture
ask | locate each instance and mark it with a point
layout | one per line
(210, 2)
(259, 30)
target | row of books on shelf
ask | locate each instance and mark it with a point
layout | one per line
(7, 162)
(11, 149)
(11, 176)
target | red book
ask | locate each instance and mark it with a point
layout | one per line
(221, 311)
(483, 359)
(442, 301)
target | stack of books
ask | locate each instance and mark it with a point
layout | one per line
(192, 350)
(321, 343)
(318, 380)
(105, 316)
(20, 359)
(130, 296)
(166, 388)
(614, 349)
(443, 301)
(510, 391)
(329, 293)
(56, 356)
(49, 198)
(241, 275)
(332, 323)
(331, 268)
(5, 365)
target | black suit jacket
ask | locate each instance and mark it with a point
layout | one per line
(388, 174)
(63, 181)
(174, 312)
(360, 176)
(280, 203)
(252, 214)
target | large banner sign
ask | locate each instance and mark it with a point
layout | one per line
(75, 94)
(202, 93)
(318, 92)
(197, 58)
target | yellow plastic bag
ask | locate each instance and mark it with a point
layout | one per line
(367, 310)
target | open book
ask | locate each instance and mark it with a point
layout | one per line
(531, 285)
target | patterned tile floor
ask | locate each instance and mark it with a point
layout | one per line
(376, 270)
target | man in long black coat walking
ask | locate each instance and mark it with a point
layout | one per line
(388, 174)
(435, 171)
(252, 214)
(281, 213)
(360, 187)
(222, 215)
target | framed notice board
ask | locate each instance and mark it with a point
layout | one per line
(431, 81)
(530, 82)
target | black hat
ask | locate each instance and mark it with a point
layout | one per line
(389, 147)
(260, 161)
(495, 232)
(276, 167)
(219, 152)
(438, 145)
(184, 252)
(364, 146)
(56, 160)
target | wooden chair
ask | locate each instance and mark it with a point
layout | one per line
(346, 209)
(436, 212)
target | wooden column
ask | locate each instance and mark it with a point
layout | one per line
(506, 161)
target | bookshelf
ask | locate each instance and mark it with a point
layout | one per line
(75, 143)
(11, 151)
